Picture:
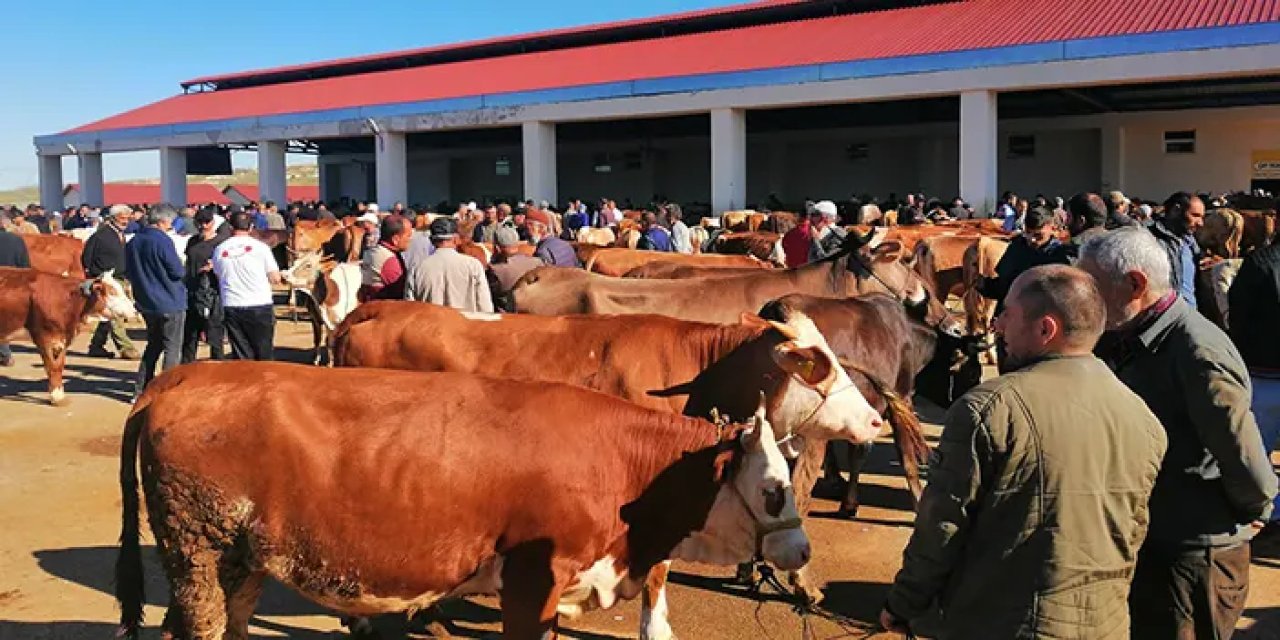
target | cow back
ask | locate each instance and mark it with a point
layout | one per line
(55, 254)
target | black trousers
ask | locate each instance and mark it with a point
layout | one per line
(1193, 593)
(211, 326)
(252, 332)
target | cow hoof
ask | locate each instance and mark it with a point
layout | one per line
(58, 398)
(747, 574)
(806, 594)
(847, 512)
(361, 628)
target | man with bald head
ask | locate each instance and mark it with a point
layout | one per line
(1037, 501)
(1216, 484)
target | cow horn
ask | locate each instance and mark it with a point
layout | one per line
(678, 390)
(789, 332)
(86, 287)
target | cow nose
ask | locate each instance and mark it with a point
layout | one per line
(805, 552)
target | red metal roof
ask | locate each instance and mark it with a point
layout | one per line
(126, 193)
(957, 26)
(293, 193)
(606, 26)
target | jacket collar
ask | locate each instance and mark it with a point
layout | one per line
(1153, 332)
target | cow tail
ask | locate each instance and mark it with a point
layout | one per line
(130, 589)
(908, 433)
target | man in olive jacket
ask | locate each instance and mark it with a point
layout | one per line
(1216, 484)
(1037, 500)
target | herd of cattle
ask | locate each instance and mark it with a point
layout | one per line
(650, 401)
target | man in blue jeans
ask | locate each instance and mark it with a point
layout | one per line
(1255, 315)
(152, 262)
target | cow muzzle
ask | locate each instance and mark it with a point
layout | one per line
(784, 544)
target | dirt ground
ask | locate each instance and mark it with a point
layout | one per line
(60, 519)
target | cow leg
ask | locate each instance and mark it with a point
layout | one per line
(200, 603)
(53, 352)
(317, 330)
(242, 593)
(805, 587)
(654, 624)
(858, 454)
(803, 478)
(530, 593)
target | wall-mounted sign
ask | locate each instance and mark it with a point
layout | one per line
(1266, 165)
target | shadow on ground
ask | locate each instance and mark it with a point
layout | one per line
(78, 378)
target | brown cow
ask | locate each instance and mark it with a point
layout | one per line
(1259, 230)
(940, 261)
(763, 245)
(328, 495)
(721, 296)
(313, 235)
(980, 262)
(615, 261)
(56, 254)
(722, 368)
(52, 308)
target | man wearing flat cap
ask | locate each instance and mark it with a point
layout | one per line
(508, 266)
(447, 277)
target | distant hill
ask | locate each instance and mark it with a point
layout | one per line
(302, 174)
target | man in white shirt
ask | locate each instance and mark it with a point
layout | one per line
(246, 270)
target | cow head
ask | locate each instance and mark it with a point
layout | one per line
(755, 508)
(814, 397)
(305, 269)
(106, 297)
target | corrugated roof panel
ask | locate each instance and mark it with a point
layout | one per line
(938, 28)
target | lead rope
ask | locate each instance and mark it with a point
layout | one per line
(850, 627)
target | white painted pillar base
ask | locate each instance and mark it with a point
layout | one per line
(728, 160)
(51, 182)
(1113, 158)
(91, 185)
(272, 181)
(979, 144)
(539, 161)
(173, 175)
(391, 167)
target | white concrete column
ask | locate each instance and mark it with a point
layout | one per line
(272, 181)
(391, 167)
(979, 149)
(51, 182)
(728, 160)
(91, 185)
(173, 175)
(1113, 158)
(322, 175)
(539, 161)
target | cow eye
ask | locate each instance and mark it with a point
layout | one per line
(774, 500)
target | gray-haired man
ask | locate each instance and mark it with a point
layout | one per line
(1216, 483)
(157, 273)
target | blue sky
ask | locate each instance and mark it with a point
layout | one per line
(69, 62)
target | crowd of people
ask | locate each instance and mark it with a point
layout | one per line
(1107, 483)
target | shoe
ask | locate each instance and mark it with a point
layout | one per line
(129, 354)
(99, 352)
(6, 362)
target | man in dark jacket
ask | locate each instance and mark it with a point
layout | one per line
(103, 252)
(1088, 219)
(1255, 316)
(551, 250)
(204, 304)
(1037, 245)
(156, 274)
(13, 253)
(1036, 505)
(1175, 229)
(1216, 484)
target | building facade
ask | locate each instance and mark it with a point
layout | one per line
(773, 101)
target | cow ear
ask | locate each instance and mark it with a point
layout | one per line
(810, 365)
